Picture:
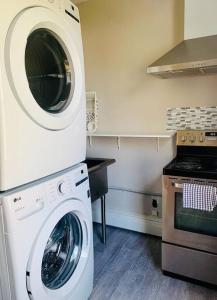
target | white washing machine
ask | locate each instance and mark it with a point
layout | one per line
(46, 246)
(42, 90)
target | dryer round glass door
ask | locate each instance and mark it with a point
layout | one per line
(62, 252)
(50, 76)
(44, 64)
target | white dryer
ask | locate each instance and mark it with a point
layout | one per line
(46, 246)
(42, 90)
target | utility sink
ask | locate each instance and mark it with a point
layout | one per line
(97, 170)
(95, 163)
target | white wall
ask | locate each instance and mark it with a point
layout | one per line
(200, 18)
(138, 167)
(120, 39)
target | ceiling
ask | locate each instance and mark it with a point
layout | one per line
(78, 1)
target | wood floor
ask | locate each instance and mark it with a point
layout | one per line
(128, 268)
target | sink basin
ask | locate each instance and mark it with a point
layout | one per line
(98, 163)
(97, 169)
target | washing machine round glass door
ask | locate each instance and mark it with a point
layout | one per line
(60, 252)
(44, 66)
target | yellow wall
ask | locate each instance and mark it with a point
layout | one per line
(120, 38)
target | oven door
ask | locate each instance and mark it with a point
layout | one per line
(183, 226)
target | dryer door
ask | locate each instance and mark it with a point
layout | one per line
(44, 68)
(60, 252)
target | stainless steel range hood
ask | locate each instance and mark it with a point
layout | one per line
(190, 57)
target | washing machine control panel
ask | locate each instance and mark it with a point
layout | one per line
(63, 187)
(48, 193)
(59, 189)
(27, 203)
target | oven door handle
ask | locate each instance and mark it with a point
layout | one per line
(177, 185)
(180, 185)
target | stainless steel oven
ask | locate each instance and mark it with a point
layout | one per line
(189, 236)
(191, 228)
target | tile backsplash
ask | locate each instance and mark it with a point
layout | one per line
(196, 118)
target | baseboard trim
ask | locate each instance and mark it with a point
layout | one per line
(130, 221)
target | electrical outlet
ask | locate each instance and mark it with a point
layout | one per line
(154, 213)
(154, 210)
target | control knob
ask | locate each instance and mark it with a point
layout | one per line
(191, 138)
(201, 139)
(62, 187)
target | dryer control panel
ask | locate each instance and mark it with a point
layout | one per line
(64, 6)
(71, 10)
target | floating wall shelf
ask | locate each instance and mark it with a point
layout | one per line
(119, 135)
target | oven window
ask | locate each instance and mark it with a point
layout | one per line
(194, 220)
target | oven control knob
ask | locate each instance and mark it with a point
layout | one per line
(201, 139)
(191, 138)
(62, 188)
(183, 138)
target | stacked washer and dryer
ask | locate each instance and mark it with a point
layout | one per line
(46, 247)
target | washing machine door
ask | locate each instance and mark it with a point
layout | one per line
(44, 68)
(60, 253)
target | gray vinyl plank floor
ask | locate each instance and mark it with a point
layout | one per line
(128, 268)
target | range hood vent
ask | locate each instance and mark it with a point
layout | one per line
(191, 57)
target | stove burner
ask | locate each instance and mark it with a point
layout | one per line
(188, 166)
(192, 166)
(194, 161)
